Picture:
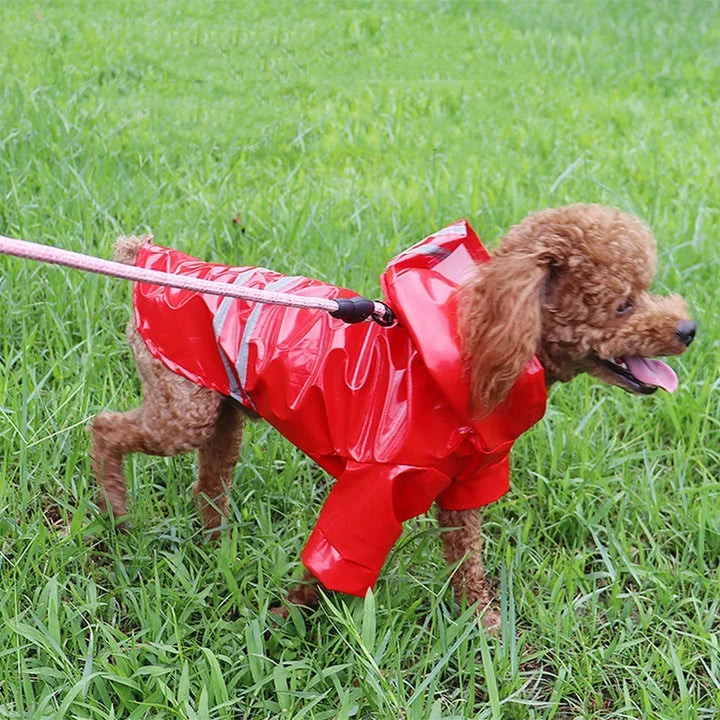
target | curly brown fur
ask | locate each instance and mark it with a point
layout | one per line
(554, 289)
(568, 285)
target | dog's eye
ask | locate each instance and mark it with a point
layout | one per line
(626, 307)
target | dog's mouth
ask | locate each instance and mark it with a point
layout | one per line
(642, 375)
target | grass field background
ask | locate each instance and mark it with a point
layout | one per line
(321, 138)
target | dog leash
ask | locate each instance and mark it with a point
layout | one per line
(349, 310)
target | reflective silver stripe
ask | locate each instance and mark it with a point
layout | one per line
(218, 324)
(235, 390)
(433, 250)
(457, 228)
(221, 314)
(241, 366)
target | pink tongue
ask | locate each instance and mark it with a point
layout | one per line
(653, 372)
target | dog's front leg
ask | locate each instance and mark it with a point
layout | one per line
(462, 546)
(305, 594)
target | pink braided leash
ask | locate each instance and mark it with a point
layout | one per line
(56, 256)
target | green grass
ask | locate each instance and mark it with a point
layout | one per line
(339, 133)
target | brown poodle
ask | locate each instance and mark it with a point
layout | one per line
(568, 286)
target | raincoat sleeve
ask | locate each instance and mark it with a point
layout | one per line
(361, 520)
(479, 488)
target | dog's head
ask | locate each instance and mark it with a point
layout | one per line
(571, 285)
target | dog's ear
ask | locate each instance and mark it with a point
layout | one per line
(501, 323)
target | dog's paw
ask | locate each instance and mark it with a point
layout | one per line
(280, 611)
(489, 618)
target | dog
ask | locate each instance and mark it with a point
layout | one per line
(424, 411)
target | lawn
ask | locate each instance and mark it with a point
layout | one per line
(320, 138)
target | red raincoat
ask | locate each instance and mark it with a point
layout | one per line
(382, 409)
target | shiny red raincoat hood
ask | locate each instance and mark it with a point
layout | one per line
(384, 410)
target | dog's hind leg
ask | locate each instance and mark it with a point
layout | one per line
(113, 436)
(176, 416)
(462, 546)
(217, 458)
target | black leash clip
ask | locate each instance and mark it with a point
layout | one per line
(357, 309)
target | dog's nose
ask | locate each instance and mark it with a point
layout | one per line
(685, 331)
